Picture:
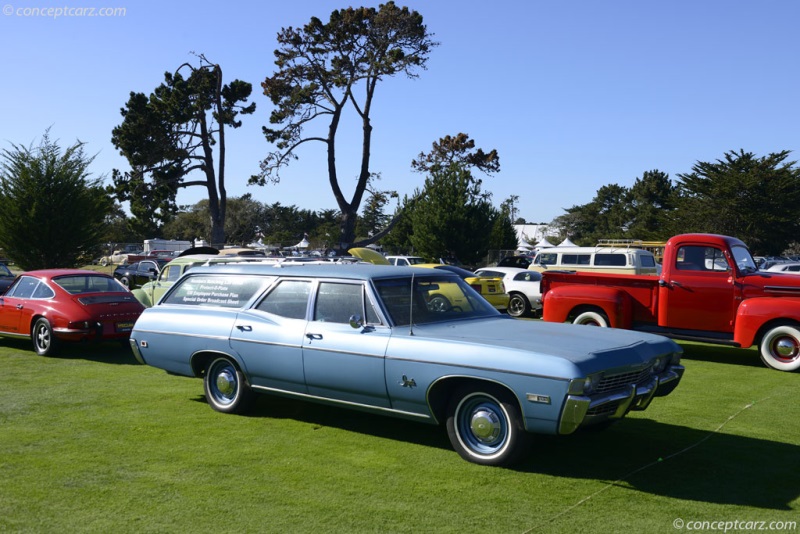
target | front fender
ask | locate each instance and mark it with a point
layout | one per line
(143, 296)
(560, 302)
(756, 313)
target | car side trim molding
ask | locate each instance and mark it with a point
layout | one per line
(356, 405)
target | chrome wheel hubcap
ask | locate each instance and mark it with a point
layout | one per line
(785, 348)
(226, 383)
(485, 426)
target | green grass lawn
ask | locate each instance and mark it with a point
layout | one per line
(93, 442)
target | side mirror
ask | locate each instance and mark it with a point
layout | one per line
(356, 321)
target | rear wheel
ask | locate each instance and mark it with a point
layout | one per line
(485, 426)
(44, 342)
(591, 318)
(225, 387)
(518, 305)
(125, 282)
(780, 348)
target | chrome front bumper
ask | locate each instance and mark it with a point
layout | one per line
(586, 410)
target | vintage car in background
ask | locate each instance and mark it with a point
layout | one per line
(522, 286)
(490, 288)
(6, 277)
(137, 274)
(149, 293)
(367, 337)
(55, 305)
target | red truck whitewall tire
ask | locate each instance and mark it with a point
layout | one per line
(591, 318)
(780, 348)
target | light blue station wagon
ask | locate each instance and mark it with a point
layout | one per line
(366, 337)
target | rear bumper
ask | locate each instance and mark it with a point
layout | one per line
(586, 410)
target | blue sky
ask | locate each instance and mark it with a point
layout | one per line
(574, 95)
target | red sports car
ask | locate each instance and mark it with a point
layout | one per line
(55, 305)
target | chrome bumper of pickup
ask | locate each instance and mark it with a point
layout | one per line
(585, 410)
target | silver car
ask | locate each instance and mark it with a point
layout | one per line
(366, 337)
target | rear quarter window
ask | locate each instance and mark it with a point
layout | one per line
(224, 291)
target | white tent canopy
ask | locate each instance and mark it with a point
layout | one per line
(544, 243)
(566, 243)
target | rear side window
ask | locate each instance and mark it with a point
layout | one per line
(217, 290)
(610, 260)
(647, 261)
(288, 299)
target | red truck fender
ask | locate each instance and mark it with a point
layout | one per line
(758, 315)
(592, 304)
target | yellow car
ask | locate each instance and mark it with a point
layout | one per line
(490, 288)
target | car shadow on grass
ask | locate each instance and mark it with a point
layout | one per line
(635, 453)
(105, 352)
(677, 462)
(721, 354)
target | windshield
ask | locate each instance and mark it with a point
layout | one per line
(744, 261)
(4, 271)
(434, 299)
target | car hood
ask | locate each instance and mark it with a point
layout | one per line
(589, 349)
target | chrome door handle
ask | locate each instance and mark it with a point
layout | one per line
(244, 328)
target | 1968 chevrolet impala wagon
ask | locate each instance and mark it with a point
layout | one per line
(365, 337)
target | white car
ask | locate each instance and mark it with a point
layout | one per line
(522, 286)
(791, 268)
(404, 261)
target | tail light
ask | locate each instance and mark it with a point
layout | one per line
(476, 287)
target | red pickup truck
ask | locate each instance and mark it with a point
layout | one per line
(709, 290)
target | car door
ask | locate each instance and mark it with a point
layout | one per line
(269, 337)
(342, 362)
(700, 293)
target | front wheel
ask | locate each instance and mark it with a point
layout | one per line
(591, 318)
(780, 348)
(518, 305)
(44, 342)
(225, 387)
(125, 282)
(485, 427)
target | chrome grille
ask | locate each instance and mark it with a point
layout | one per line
(622, 380)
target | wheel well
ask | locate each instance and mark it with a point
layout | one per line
(440, 393)
(201, 360)
(33, 321)
(577, 310)
(770, 325)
